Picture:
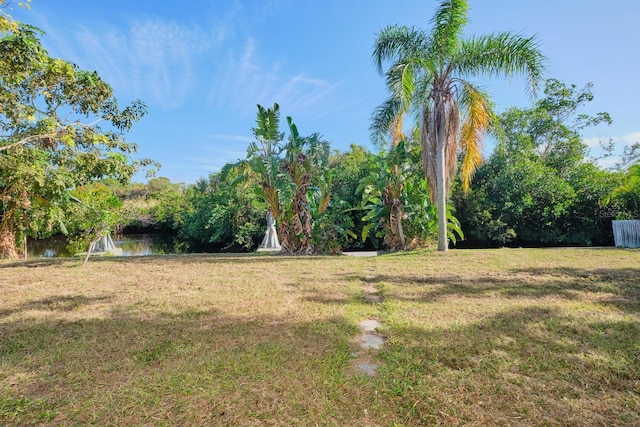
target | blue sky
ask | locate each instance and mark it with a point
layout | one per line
(202, 66)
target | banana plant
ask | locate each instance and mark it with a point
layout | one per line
(395, 197)
(292, 178)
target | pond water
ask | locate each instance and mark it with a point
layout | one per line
(131, 245)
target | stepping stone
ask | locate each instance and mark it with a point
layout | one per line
(372, 341)
(368, 368)
(372, 298)
(369, 325)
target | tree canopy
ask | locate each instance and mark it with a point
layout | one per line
(539, 187)
(60, 127)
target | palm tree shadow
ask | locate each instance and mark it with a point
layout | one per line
(538, 357)
(623, 283)
(565, 283)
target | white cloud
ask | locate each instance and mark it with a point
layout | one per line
(152, 59)
(594, 142)
(608, 162)
(631, 138)
(248, 80)
(620, 142)
(628, 139)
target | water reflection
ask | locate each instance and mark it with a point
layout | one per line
(131, 245)
(55, 246)
(144, 244)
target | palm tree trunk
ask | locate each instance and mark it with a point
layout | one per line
(441, 183)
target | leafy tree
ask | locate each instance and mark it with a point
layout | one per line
(222, 213)
(153, 206)
(96, 212)
(263, 156)
(167, 203)
(550, 131)
(384, 194)
(429, 74)
(344, 216)
(539, 187)
(309, 191)
(50, 140)
(626, 197)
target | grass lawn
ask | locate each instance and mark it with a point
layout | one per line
(478, 337)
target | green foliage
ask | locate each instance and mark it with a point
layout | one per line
(344, 215)
(524, 197)
(395, 197)
(305, 190)
(626, 197)
(222, 214)
(429, 74)
(539, 187)
(227, 210)
(168, 202)
(293, 180)
(96, 212)
(51, 139)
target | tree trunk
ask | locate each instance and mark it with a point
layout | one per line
(8, 239)
(399, 228)
(441, 183)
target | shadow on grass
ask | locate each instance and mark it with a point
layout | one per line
(624, 283)
(566, 283)
(40, 262)
(56, 303)
(529, 366)
(182, 369)
(159, 259)
(323, 299)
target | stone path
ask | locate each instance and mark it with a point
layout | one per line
(370, 341)
(363, 254)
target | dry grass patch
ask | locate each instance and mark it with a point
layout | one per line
(503, 337)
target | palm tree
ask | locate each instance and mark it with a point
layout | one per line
(429, 75)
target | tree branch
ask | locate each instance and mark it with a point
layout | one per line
(31, 138)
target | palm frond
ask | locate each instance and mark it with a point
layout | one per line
(448, 23)
(396, 42)
(502, 54)
(407, 87)
(382, 118)
(477, 120)
(397, 130)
